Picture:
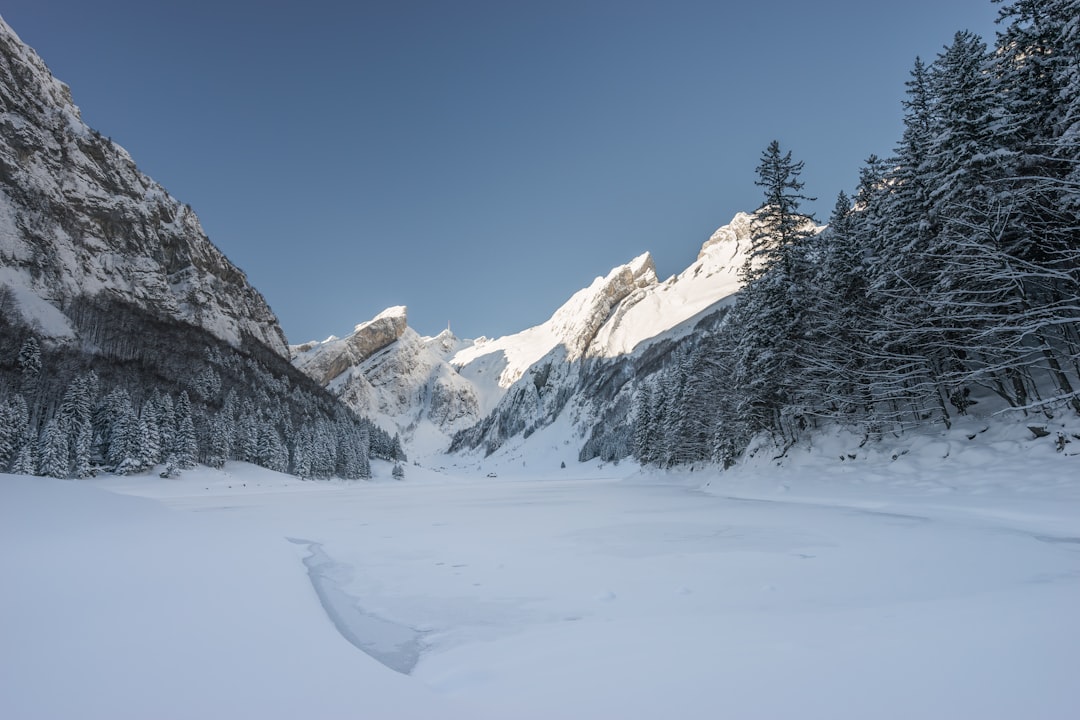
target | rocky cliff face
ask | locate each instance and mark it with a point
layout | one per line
(326, 360)
(580, 364)
(123, 329)
(79, 221)
(627, 323)
(386, 371)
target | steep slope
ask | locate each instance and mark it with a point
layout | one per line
(127, 340)
(484, 391)
(494, 365)
(589, 387)
(78, 220)
(386, 371)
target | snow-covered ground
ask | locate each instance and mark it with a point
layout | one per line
(925, 586)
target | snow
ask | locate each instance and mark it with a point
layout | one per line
(395, 311)
(40, 314)
(587, 325)
(926, 586)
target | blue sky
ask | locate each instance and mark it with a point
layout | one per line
(480, 161)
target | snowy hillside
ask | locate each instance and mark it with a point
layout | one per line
(127, 340)
(79, 221)
(615, 314)
(582, 390)
(430, 388)
(386, 371)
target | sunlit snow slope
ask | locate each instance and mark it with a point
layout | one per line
(430, 388)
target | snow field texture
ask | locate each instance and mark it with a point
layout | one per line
(923, 587)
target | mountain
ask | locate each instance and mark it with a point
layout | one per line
(127, 339)
(581, 390)
(385, 370)
(471, 393)
(79, 222)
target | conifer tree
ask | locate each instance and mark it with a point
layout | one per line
(53, 450)
(13, 422)
(772, 303)
(218, 449)
(778, 225)
(185, 449)
(26, 460)
(30, 362)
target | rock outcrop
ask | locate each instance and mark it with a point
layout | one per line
(324, 361)
(79, 221)
(386, 371)
(621, 326)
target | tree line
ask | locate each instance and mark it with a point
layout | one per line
(951, 277)
(183, 399)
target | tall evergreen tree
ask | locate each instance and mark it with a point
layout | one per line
(53, 450)
(13, 422)
(778, 225)
(185, 449)
(772, 304)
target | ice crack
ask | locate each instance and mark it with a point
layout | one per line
(394, 645)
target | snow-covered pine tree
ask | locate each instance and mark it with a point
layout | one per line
(778, 225)
(833, 362)
(75, 419)
(152, 450)
(166, 419)
(645, 428)
(273, 454)
(207, 384)
(397, 452)
(302, 451)
(772, 302)
(185, 449)
(1038, 81)
(26, 460)
(125, 434)
(30, 362)
(218, 449)
(53, 450)
(13, 421)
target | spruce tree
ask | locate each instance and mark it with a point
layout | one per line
(13, 422)
(53, 450)
(772, 304)
(30, 362)
(185, 451)
(778, 225)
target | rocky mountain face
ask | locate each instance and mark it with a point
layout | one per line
(127, 340)
(586, 388)
(81, 227)
(385, 370)
(579, 365)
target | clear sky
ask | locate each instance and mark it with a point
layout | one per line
(480, 161)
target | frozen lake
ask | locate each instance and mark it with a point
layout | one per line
(247, 592)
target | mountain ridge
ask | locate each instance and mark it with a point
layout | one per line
(617, 316)
(77, 219)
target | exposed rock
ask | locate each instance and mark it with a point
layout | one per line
(736, 235)
(577, 322)
(326, 360)
(385, 370)
(78, 219)
(621, 325)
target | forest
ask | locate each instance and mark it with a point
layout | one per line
(950, 278)
(135, 392)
